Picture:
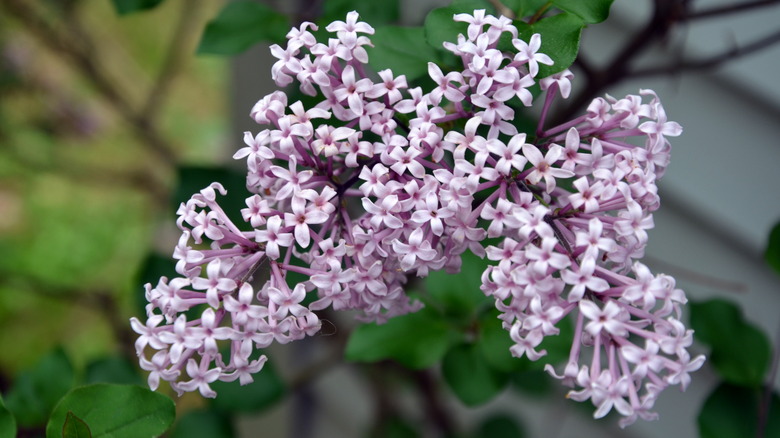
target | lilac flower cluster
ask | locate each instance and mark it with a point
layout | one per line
(380, 181)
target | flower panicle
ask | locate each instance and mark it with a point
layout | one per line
(380, 181)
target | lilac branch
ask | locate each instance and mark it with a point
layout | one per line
(665, 14)
(730, 9)
(711, 61)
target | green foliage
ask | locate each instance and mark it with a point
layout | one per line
(267, 389)
(124, 7)
(61, 216)
(740, 351)
(204, 423)
(112, 369)
(500, 426)
(193, 179)
(494, 342)
(36, 391)
(75, 427)
(402, 50)
(526, 8)
(417, 340)
(591, 11)
(560, 39)
(375, 13)
(459, 295)
(732, 412)
(7, 421)
(439, 26)
(557, 346)
(468, 374)
(772, 253)
(535, 382)
(115, 411)
(240, 25)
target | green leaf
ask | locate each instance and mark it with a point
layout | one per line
(116, 411)
(557, 346)
(560, 40)
(7, 421)
(535, 383)
(440, 27)
(267, 389)
(417, 340)
(470, 377)
(124, 7)
(591, 11)
(459, 294)
(740, 351)
(113, 369)
(401, 49)
(494, 342)
(772, 254)
(732, 411)
(240, 25)
(75, 427)
(375, 13)
(36, 391)
(526, 8)
(500, 426)
(204, 423)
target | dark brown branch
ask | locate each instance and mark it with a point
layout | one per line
(712, 61)
(79, 52)
(699, 278)
(730, 9)
(434, 407)
(585, 66)
(334, 357)
(665, 14)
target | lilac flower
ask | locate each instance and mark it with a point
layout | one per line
(347, 30)
(543, 165)
(301, 217)
(201, 375)
(214, 284)
(529, 53)
(179, 338)
(416, 248)
(356, 199)
(273, 237)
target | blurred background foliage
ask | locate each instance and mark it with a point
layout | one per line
(95, 113)
(108, 120)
